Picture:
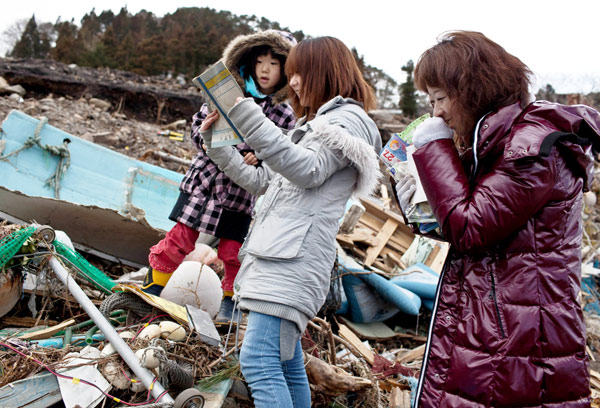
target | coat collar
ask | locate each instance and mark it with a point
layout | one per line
(495, 127)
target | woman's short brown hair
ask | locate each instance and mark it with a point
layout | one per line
(328, 69)
(480, 74)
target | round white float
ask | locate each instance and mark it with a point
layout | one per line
(190, 285)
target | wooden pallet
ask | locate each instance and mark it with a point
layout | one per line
(380, 238)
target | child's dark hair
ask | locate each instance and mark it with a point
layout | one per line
(249, 63)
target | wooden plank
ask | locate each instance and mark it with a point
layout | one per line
(8, 321)
(392, 258)
(386, 232)
(589, 353)
(47, 332)
(353, 339)
(344, 239)
(595, 383)
(363, 235)
(370, 221)
(414, 354)
(385, 197)
(380, 265)
(402, 238)
(394, 246)
(434, 251)
(438, 262)
(399, 241)
(351, 218)
(399, 398)
(376, 209)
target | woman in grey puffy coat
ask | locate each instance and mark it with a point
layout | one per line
(306, 178)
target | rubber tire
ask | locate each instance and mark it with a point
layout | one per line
(189, 396)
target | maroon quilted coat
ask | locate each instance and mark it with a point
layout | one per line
(507, 330)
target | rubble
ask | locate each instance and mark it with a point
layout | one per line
(370, 363)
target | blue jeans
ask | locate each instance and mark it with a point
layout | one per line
(274, 383)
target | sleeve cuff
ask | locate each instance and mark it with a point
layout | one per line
(246, 116)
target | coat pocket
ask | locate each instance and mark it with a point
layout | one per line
(494, 298)
(278, 237)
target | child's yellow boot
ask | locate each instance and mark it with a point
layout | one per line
(155, 281)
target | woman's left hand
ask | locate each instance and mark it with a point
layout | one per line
(206, 128)
(250, 159)
(209, 120)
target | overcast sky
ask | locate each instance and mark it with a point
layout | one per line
(558, 39)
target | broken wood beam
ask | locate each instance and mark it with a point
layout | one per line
(399, 398)
(411, 355)
(47, 332)
(383, 236)
(353, 339)
(351, 218)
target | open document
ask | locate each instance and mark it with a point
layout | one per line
(221, 90)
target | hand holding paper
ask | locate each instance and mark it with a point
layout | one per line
(405, 189)
(223, 93)
(207, 125)
(397, 155)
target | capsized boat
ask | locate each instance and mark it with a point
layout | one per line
(105, 201)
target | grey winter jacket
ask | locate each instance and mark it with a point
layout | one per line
(306, 178)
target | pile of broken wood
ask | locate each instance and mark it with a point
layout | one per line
(348, 364)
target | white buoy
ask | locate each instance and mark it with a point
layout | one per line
(590, 199)
(150, 332)
(191, 285)
(172, 331)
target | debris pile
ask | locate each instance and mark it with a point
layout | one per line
(95, 334)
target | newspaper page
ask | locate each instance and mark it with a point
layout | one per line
(221, 90)
(397, 155)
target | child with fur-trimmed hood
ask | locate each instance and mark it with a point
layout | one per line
(209, 201)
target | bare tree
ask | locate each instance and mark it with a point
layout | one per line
(12, 35)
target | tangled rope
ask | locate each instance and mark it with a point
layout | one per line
(62, 151)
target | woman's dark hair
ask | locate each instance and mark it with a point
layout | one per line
(248, 61)
(477, 72)
(328, 69)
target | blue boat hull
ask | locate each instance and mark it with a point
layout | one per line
(100, 186)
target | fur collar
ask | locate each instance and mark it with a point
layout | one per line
(357, 150)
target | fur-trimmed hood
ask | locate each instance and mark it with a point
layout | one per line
(280, 41)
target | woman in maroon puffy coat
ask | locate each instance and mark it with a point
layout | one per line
(504, 177)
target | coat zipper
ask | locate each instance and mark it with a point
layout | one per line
(424, 364)
(494, 297)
